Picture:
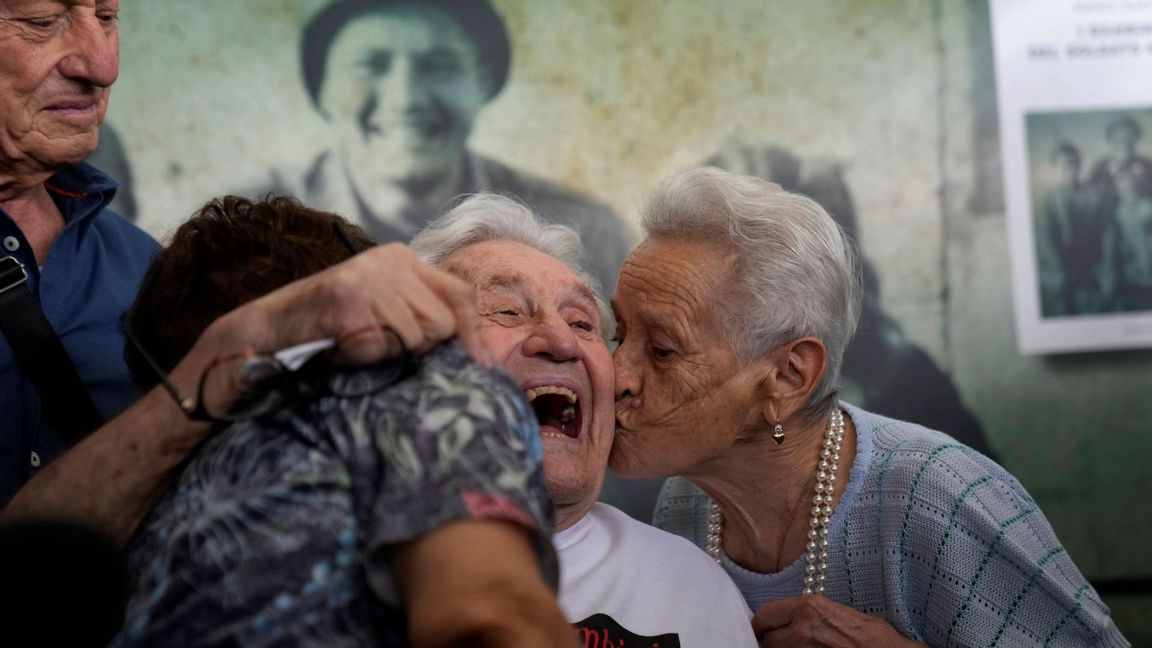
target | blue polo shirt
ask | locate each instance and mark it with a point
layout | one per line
(88, 280)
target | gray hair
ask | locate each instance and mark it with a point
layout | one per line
(795, 272)
(491, 217)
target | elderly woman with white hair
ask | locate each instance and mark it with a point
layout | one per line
(840, 527)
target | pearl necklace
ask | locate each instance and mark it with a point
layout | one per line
(816, 560)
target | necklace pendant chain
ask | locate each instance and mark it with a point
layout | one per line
(816, 552)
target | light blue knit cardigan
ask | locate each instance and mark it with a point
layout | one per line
(935, 538)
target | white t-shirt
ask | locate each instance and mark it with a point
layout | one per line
(624, 583)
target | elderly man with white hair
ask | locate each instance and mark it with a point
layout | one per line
(543, 320)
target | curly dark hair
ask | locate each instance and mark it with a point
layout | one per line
(229, 253)
(476, 17)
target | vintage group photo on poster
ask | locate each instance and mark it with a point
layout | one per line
(1087, 243)
(1091, 211)
(1075, 131)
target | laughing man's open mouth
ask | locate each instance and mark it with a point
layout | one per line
(557, 410)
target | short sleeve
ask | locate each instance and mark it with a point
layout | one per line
(451, 441)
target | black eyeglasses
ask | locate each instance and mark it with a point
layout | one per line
(192, 408)
(268, 382)
(261, 378)
(342, 234)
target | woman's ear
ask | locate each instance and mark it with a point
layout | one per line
(769, 386)
(791, 374)
(770, 410)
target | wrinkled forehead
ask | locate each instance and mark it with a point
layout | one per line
(23, 4)
(505, 266)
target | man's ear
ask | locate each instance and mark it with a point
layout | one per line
(790, 375)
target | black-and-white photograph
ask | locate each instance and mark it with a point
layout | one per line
(1075, 147)
(1092, 211)
(399, 87)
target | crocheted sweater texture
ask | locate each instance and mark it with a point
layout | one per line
(935, 538)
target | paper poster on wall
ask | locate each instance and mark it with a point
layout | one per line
(1076, 133)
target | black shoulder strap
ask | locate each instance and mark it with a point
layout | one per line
(41, 355)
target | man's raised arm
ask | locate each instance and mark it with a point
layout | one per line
(368, 304)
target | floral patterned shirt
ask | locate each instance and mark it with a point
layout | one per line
(277, 531)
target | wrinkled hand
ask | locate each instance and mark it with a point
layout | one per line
(370, 304)
(817, 621)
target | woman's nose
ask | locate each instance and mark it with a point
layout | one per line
(627, 381)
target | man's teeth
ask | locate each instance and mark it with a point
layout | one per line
(535, 392)
(568, 413)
